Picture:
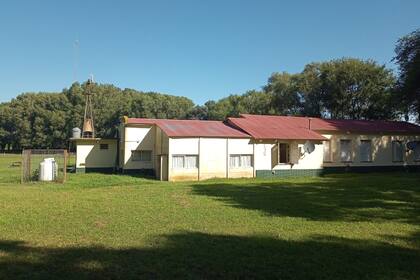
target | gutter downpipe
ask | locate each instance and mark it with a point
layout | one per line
(253, 161)
(199, 158)
(227, 158)
(161, 167)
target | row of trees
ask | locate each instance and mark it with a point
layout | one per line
(45, 120)
(344, 88)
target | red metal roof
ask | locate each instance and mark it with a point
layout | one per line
(192, 128)
(275, 127)
(365, 126)
(264, 127)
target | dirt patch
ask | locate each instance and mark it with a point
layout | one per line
(99, 224)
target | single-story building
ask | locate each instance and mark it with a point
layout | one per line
(252, 146)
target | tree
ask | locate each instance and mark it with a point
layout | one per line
(310, 91)
(225, 107)
(198, 113)
(257, 102)
(408, 59)
(347, 88)
(45, 120)
(5, 126)
(344, 88)
(285, 98)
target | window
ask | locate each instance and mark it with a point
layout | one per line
(327, 151)
(345, 150)
(103, 146)
(417, 151)
(283, 153)
(185, 161)
(366, 150)
(397, 151)
(240, 161)
(141, 155)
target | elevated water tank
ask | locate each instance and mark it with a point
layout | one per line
(76, 133)
(47, 169)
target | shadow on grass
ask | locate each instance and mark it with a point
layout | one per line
(345, 197)
(203, 256)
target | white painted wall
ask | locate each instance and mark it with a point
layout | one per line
(82, 151)
(381, 150)
(139, 138)
(182, 146)
(212, 158)
(89, 154)
(161, 150)
(121, 131)
(263, 155)
(241, 147)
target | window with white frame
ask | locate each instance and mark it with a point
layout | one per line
(184, 161)
(417, 151)
(397, 151)
(366, 150)
(327, 151)
(345, 150)
(240, 161)
(141, 155)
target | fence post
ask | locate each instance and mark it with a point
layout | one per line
(22, 169)
(65, 166)
(29, 169)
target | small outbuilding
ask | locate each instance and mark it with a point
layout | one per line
(96, 155)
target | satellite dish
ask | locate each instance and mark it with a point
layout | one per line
(412, 145)
(309, 147)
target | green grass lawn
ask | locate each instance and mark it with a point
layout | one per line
(120, 227)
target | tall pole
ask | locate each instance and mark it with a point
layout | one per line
(88, 124)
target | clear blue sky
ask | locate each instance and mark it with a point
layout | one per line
(199, 49)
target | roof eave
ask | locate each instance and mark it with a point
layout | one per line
(394, 132)
(212, 136)
(292, 139)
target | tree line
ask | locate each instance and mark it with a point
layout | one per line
(345, 88)
(45, 120)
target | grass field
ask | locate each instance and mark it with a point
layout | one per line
(121, 227)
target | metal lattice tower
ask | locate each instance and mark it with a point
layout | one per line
(88, 125)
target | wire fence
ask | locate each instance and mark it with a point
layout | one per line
(44, 165)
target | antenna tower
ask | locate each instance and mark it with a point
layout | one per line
(88, 126)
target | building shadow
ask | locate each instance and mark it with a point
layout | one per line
(192, 255)
(340, 198)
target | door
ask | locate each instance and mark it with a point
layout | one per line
(283, 153)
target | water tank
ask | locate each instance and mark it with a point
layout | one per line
(76, 132)
(47, 169)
